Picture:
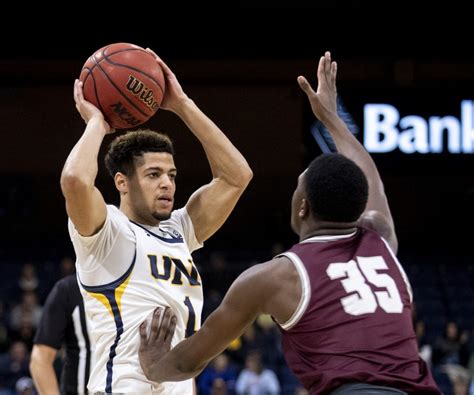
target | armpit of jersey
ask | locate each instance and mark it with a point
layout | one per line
(305, 291)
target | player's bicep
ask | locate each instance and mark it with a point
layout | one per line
(87, 210)
(211, 205)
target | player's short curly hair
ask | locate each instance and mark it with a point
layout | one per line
(125, 149)
(336, 188)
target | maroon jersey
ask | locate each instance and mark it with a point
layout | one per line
(353, 323)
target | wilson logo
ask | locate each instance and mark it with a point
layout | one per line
(145, 94)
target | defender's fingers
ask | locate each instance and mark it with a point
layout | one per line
(305, 86)
(165, 324)
(333, 73)
(170, 332)
(321, 70)
(155, 325)
(327, 63)
(143, 336)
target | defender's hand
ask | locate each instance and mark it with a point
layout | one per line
(324, 100)
(154, 346)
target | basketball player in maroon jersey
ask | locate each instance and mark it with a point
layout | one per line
(340, 296)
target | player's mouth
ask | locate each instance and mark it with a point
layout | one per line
(165, 201)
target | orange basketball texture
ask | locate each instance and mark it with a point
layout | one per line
(125, 82)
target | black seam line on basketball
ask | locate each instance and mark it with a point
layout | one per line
(95, 63)
(87, 76)
(97, 95)
(95, 88)
(104, 56)
(118, 90)
(135, 69)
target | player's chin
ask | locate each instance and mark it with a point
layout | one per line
(162, 215)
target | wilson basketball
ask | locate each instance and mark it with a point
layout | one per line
(125, 82)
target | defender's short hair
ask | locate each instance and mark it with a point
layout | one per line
(336, 188)
(126, 148)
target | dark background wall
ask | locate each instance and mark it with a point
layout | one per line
(241, 69)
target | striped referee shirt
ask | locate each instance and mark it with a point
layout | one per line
(63, 323)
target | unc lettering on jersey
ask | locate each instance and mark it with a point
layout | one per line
(167, 264)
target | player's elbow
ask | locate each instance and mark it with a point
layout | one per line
(72, 183)
(243, 178)
(36, 362)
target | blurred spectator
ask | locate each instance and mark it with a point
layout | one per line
(25, 386)
(250, 341)
(218, 377)
(28, 279)
(67, 266)
(459, 377)
(255, 379)
(27, 311)
(425, 349)
(14, 365)
(24, 333)
(452, 348)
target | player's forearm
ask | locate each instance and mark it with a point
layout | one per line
(350, 147)
(45, 379)
(81, 165)
(179, 364)
(225, 160)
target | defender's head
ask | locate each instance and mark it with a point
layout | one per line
(141, 163)
(332, 189)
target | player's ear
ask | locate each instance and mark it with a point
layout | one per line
(121, 183)
(303, 210)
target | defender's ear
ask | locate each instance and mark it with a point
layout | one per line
(303, 210)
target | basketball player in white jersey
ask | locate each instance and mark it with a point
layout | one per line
(132, 259)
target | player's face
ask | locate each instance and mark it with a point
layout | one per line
(153, 185)
(296, 200)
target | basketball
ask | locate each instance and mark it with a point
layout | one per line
(125, 82)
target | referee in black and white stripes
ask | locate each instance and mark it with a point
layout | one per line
(63, 323)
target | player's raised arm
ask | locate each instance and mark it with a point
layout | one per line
(84, 203)
(324, 106)
(211, 204)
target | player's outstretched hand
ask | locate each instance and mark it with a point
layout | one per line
(324, 100)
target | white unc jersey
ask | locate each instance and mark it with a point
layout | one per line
(125, 271)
